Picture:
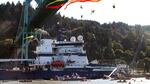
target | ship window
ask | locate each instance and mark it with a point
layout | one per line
(41, 42)
(55, 50)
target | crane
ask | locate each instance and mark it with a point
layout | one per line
(25, 22)
(23, 29)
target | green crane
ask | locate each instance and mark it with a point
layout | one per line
(38, 16)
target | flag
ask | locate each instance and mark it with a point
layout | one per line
(69, 2)
(49, 5)
(84, 0)
(74, 1)
(54, 2)
(55, 7)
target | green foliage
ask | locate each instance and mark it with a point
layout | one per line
(102, 41)
(113, 41)
(9, 20)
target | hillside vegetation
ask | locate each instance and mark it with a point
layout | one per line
(108, 43)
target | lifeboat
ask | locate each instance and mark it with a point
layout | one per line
(57, 63)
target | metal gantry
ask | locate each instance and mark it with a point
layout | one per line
(25, 23)
(24, 49)
(23, 33)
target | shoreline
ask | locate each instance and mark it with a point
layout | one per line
(95, 81)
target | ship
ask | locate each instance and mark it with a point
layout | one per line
(59, 60)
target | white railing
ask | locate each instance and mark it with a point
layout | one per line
(15, 60)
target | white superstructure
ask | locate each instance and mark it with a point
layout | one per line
(44, 47)
(71, 53)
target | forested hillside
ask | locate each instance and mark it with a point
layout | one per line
(9, 21)
(113, 42)
(10, 17)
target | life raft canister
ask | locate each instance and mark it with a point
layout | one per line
(57, 63)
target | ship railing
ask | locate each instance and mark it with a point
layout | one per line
(16, 60)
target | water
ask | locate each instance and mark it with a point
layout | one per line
(98, 81)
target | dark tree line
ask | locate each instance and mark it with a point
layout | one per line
(113, 42)
(110, 43)
(9, 20)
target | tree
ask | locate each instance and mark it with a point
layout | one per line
(117, 45)
(128, 56)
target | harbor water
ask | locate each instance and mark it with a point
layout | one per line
(98, 81)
